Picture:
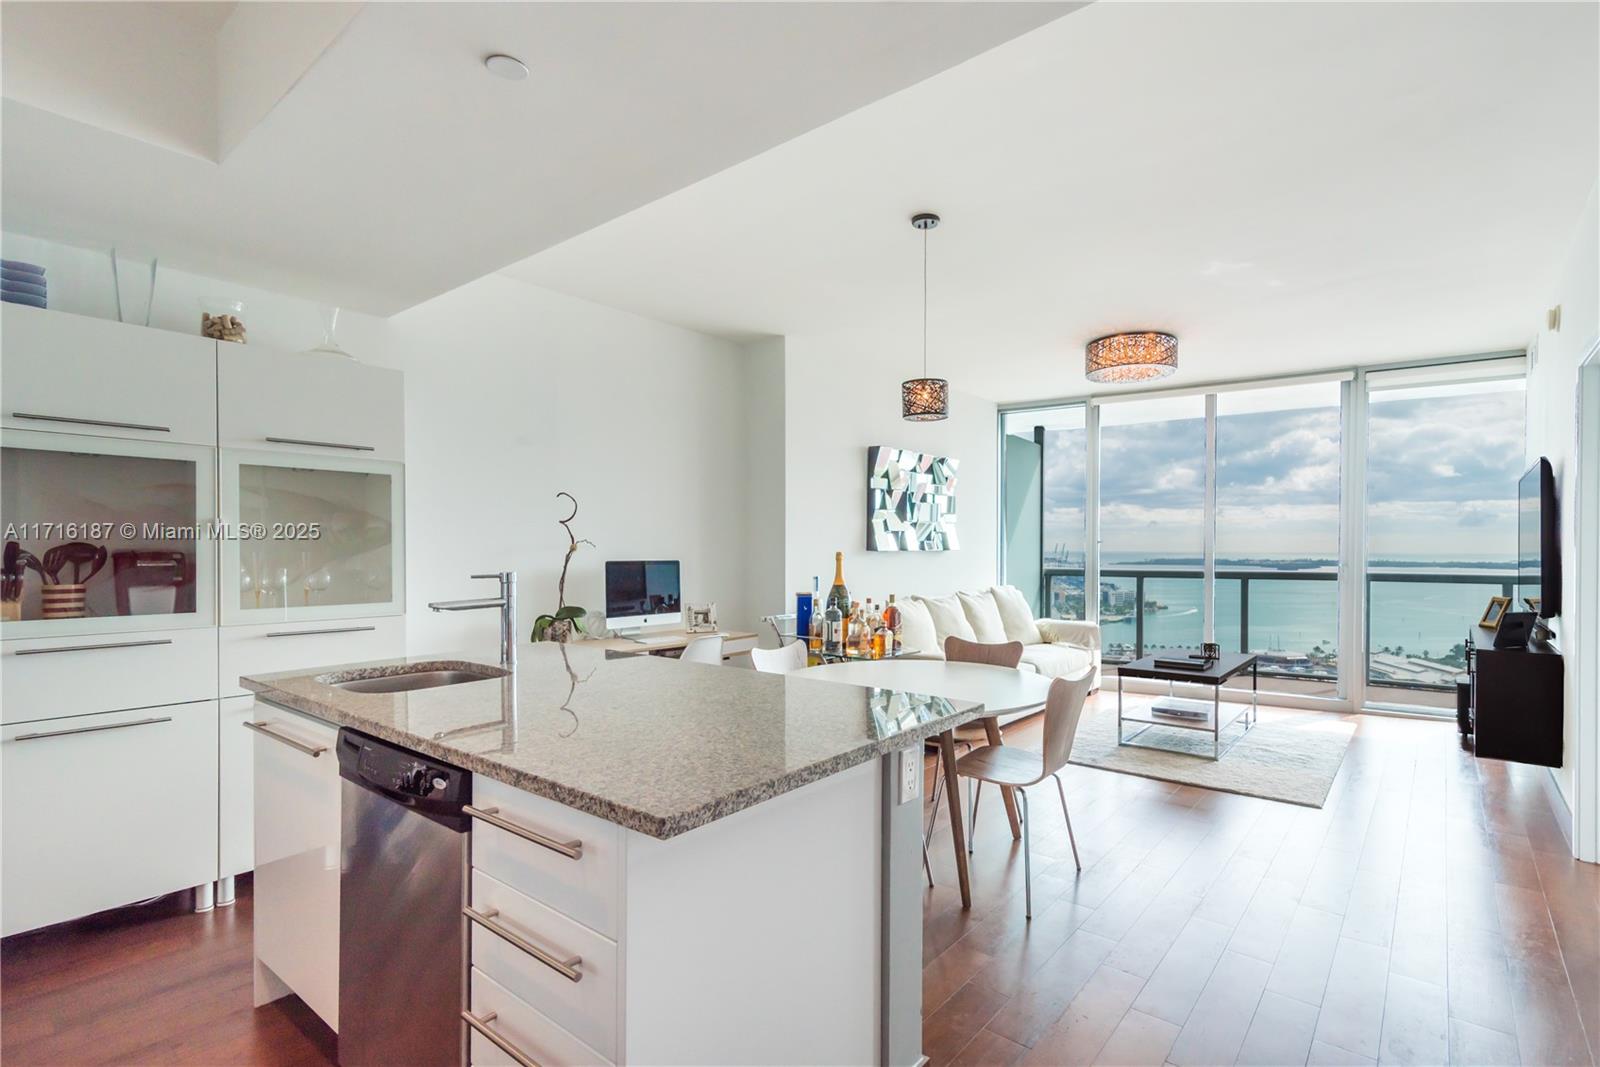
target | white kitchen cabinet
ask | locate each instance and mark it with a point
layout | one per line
(92, 376)
(54, 677)
(103, 810)
(266, 648)
(309, 403)
(145, 503)
(321, 537)
(297, 808)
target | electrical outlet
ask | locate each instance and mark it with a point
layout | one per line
(910, 775)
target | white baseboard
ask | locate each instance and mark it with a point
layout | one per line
(1558, 806)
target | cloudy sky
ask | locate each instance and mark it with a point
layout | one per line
(1441, 480)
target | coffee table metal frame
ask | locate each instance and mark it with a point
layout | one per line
(1247, 711)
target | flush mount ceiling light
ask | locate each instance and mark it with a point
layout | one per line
(1131, 357)
(924, 399)
(510, 68)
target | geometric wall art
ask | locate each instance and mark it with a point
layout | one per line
(911, 501)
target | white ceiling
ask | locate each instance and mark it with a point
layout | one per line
(1285, 186)
(394, 167)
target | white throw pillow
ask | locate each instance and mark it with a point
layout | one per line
(1016, 616)
(916, 630)
(983, 617)
(948, 618)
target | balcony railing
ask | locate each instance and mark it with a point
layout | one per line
(1425, 674)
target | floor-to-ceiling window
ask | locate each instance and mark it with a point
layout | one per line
(1443, 459)
(1277, 533)
(1152, 524)
(1348, 530)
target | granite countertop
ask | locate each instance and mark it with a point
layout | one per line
(649, 743)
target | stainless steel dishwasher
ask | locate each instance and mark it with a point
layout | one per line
(402, 888)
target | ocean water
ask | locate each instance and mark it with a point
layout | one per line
(1422, 618)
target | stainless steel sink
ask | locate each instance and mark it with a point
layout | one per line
(412, 680)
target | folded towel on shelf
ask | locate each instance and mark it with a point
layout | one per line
(21, 276)
(23, 298)
(20, 267)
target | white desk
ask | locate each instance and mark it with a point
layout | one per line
(1001, 691)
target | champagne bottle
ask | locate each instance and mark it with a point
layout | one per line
(838, 595)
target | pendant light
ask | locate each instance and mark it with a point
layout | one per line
(1131, 357)
(924, 399)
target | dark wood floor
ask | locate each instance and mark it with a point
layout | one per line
(1429, 913)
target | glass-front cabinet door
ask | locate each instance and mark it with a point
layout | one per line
(311, 537)
(104, 534)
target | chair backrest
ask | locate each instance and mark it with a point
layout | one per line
(960, 650)
(703, 650)
(790, 657)
(1062, 710)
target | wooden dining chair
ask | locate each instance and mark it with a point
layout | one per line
(957, 650)
(791, 657)
(1016, 768)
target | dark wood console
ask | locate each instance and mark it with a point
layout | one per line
(1516, 697)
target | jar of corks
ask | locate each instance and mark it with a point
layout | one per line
(220, 320)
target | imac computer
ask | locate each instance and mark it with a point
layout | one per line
(643, 592)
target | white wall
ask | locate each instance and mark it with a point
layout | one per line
(1552, 413)
(842, 396)
(514, 393)
(766, 483)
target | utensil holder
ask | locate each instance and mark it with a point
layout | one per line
(63, 601)
(10, 611)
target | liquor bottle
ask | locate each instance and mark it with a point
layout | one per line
(864, 634)
(891, 619)
(833, 628)
(852, 626)
(804, 604)
(838, 595)
(815, 632)
(880, 638)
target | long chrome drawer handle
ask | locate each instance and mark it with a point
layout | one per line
(321, 444)
(90, 648)
(261, 728)
(567, 968)
(313, 633)
(481, 1023)
(92, 729)
(573, 849)
(91, 422)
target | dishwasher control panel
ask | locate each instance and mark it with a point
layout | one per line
(406, 776)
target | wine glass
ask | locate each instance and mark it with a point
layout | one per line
(318, 581)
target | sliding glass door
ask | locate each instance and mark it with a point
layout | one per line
(1443, 459)
(1152, 525)
(1277, 540)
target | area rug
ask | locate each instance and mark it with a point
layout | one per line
(1292, 760)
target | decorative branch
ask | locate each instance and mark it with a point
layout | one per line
(566, 524)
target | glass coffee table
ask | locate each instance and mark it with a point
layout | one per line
(1207, 717)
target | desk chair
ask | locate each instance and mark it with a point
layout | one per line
(1016, 768)
(791, 657)
(703, 650)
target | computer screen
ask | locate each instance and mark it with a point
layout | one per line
(642, 591)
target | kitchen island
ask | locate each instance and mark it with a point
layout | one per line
(734, 856)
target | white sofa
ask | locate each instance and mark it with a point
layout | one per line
(1054, 648)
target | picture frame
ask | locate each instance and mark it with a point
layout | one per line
(1495, 612)
(1533, 604)
(702, 619)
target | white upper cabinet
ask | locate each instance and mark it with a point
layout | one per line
(79, 375)
(315, 404)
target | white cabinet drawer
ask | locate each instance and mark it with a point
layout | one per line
(92, 376)
(585, 1007)
(313, 404)
(586, 889)
(521, 1026)
(287, 646)
(102, 810)
(297, 838)
(51, 677)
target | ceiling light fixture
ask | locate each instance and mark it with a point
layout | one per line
(1131, 357)
(924, 399)
(510, 68)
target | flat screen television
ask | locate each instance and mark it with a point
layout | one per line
(1538, 541)
(642, 592)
